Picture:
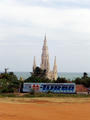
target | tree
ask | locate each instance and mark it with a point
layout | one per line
(85, 80)
(38, 72)
(9, 82)
(60, 80)
(38, 76)
(85, 75)
(77, 81)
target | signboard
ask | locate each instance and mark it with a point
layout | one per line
(50, 87)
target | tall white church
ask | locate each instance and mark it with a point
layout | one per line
(45, 65)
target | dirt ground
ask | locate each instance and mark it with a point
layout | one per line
(45, 109)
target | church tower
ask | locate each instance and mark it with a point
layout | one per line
(45, 57)
(52, 75)
(55, 70)
(34, 63)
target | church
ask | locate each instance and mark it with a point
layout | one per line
(45, 65)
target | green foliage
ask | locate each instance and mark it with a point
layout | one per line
(60, 80)
(85, 75)
(8, 95)
(9, 83)
(57, 95)
(28, 95)
(37, 80)
(38, 76)
(77, 81)
(85, 80)
(38, 72)
(32, 92)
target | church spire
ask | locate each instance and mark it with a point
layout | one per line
(45, 41)
(45, 37)
(34, 63)
(45, 56)
(52, 75)
(55, 61)
(55, 70)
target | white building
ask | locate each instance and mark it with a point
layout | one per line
(45, 65)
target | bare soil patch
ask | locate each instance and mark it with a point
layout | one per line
(45, 109)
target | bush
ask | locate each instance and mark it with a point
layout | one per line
(85, 80)
(32, 91)
(9, 83)
(60, 80)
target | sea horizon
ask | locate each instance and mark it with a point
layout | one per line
(67, 75)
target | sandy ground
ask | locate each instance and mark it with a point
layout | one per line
(45, 109)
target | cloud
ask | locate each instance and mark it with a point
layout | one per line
(29, 21)
(22, 28)
(44, 16)
(50, 3)
(57, 3)
(20, 17)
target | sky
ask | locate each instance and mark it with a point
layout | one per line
(23, 24)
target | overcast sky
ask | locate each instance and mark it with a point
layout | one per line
(23, 24)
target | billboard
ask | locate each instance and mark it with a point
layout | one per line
(50, 87)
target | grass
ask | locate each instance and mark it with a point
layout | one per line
(44, 100)
(43, 97)
(35, 95)
(56, 95)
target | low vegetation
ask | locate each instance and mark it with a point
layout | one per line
(85, 80)
(39, 76)
(41, 95)
(9, 82)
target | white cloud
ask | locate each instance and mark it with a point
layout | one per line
(75, 19)
(50, 3)
(19, 20)
(21, 27)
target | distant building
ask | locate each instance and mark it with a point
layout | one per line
(6, 70)
(81, 89)
(45, 65)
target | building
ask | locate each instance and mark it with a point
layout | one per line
(81, 89)
(45, 65)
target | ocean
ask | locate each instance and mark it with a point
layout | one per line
(67, 75)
